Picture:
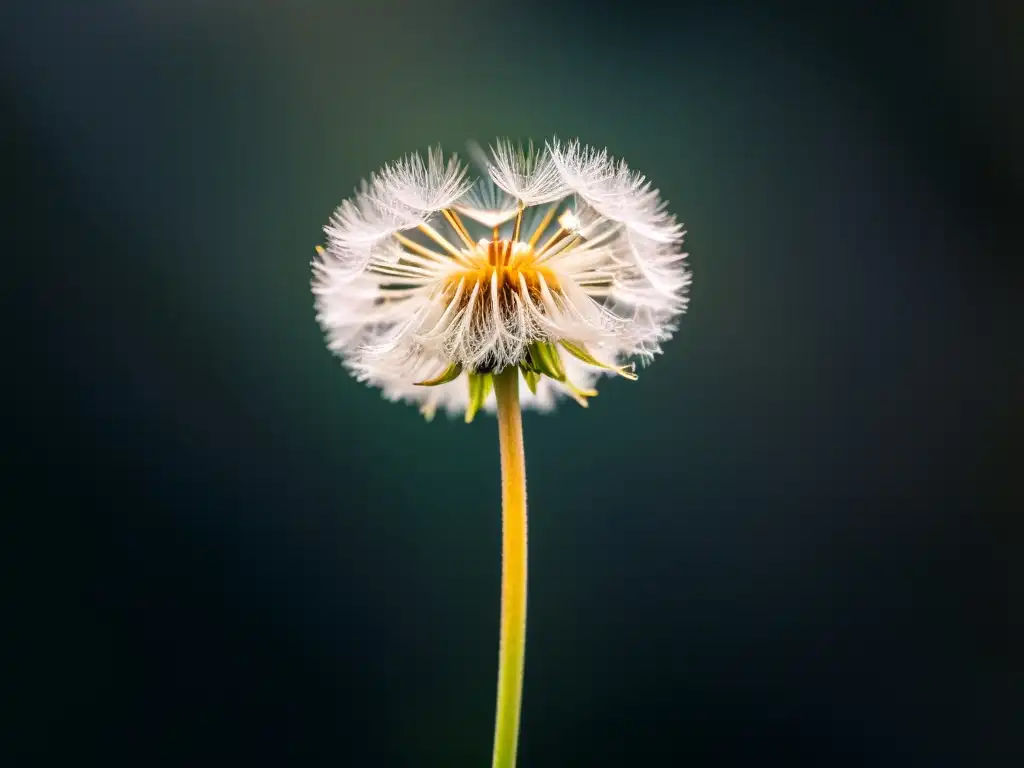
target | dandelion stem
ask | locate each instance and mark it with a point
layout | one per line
(513, 569)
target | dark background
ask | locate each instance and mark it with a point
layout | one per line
(793, 542)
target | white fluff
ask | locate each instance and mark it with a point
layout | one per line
(404, 287)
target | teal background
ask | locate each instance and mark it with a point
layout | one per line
(789, 542)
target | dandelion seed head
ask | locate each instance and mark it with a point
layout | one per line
(558, 260)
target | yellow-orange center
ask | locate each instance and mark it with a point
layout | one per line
(512, 262)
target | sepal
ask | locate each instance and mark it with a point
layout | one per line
(582, 353)
(451, 373)
(480, 385)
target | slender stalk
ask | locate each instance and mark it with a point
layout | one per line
(513, 569)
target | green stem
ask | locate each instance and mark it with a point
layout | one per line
(513, 569)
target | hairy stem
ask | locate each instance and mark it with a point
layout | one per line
(513, 569)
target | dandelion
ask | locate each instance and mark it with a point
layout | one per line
(556, 266)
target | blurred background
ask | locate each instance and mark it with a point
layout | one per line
(793, 541)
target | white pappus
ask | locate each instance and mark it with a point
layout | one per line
(560, 260)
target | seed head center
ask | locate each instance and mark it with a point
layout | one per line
(510, 262)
